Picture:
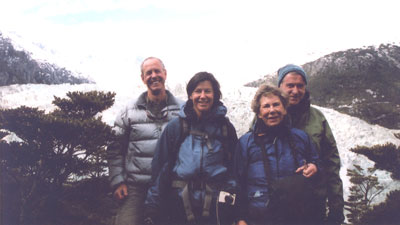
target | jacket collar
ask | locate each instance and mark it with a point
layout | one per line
(142, 102)
(218, 110)
(297, 112)
(303, 105)
(267, 134)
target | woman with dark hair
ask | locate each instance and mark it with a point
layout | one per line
(193, 160)
(273, 165)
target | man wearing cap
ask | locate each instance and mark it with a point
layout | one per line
(138, 127)
(292, 80)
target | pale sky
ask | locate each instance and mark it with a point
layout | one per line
(237, 41)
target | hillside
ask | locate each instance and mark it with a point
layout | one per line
(360, 82)
(17, 67)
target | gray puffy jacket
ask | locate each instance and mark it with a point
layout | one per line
(129, 157)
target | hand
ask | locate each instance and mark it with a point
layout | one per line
(148, 221)
(308, 169)
(241, 222)
(121, 192)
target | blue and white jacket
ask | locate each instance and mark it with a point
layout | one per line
(192, 159)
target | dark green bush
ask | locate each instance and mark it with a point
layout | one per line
(386, 157)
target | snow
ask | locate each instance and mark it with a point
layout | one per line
(349, 131)
(371, 92)
(42, 53)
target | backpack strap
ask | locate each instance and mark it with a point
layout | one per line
(185, 128)
(205, 137)
(225, 133)
(207, 201)
(184, 132)
(185, 198)
(295, 152)
(186, 187)
(224, 128)
(266, 164)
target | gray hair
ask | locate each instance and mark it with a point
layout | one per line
(151, 57)
(265, 90)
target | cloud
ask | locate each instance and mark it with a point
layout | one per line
(234, 40)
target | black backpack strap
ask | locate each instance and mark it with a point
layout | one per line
(295, 151)
(185, 128)
(224, 128)
(226, 134)
(184, 132)
(267, 170)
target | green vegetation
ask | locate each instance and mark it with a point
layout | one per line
(58, 156)
(386, 213)
(364, 80)
(363, 191)
(386, 157)
(366, 187)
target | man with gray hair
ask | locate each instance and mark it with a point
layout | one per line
(138, 127)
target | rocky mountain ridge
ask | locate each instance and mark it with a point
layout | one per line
(18, 67)
(360, 82)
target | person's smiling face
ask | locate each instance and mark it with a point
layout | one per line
(202, 98)
(154, 75)
(272, 111)
(294, 86)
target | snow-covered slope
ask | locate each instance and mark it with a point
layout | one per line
(349, 131)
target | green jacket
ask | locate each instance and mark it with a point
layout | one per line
(311, 120)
